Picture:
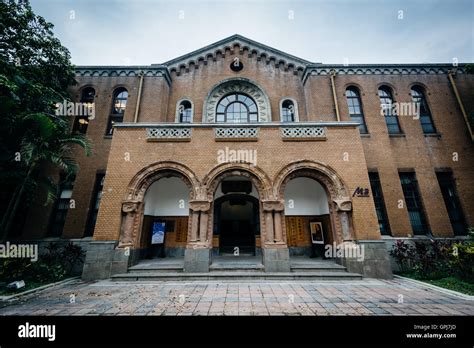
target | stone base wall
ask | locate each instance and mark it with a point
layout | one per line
(374, 264)
(103, 260)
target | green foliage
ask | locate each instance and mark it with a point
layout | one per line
(435, 259)
(53, 265)
(35, 72)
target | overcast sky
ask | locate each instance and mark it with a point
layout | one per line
(142, 32)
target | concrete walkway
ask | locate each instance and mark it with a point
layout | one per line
(357, 297)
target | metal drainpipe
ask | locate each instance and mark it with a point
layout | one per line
(332, 73)
(458, 98)
(141, 74)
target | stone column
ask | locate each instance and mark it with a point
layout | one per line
(343, 207)
(276, 256)
(194, 226)
(203, 226)
(278, 227)
(127, 231)
(197, 254)
(269, 235)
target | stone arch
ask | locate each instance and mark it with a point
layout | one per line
(133, 203)
(340, 204)
(258, 177)
(234, 85)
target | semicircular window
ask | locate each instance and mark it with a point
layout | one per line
(237, 108)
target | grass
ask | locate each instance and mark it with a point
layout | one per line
(453, 283)
(450, 283)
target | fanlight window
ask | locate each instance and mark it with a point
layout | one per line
(288, 111)
(237, 108)
(118, 109)
(185, 112)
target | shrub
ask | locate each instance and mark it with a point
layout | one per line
(53, 265)
(403, 254)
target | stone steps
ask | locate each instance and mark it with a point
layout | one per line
(236, 275)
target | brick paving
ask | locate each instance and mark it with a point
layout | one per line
(359, 297)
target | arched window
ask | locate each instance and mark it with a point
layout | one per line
(82, 121)
(355, 108)
(118, 108)
(185, 112)
(419, 100)
(386, 105)
(236, 108)
(288, 111)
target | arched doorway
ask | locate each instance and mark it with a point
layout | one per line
(236, 216)
(165, 219)
(307, 217)
(337, 227)
(237, 223)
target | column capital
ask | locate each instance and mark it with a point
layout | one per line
(130, 206)
(343, 204)
(200, 205)
(273, 205)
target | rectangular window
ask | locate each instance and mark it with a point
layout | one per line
(96, 196)
(379, 203)
(413, 203)
(451, 200)
(62, 205)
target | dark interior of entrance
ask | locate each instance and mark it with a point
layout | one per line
(236, 222)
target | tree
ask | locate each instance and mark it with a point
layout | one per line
(35, 72)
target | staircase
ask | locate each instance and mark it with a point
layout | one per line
(236, 268)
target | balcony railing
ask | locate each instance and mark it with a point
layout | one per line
(168, 134)
(303, 133)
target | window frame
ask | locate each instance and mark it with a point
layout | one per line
(177, 114)
(379, 202)
(428, 116)
(93, 212)
(79, 127)
(56, 228)
(363, 129)
(225, 112)
(295, 106)
(396, 123)
(116, 117)
(413, 189)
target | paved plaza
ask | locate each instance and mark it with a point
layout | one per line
(357, 297)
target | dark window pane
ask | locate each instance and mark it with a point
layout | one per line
(413, 203)
(379, 203)
(451, 201)
(355, 109)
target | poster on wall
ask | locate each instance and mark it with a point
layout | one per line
(316, 232)
(158, 233)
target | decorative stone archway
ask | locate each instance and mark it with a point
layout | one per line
(255, 174)
(340, 204)
(133, 203)
(237, 85)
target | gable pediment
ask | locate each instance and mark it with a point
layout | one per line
(240, 43)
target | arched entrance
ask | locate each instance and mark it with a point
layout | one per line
(165, 219)
(236, 220)
(307, 218)
(337, 196)
(148, 196)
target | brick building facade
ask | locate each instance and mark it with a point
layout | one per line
(239, 146)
